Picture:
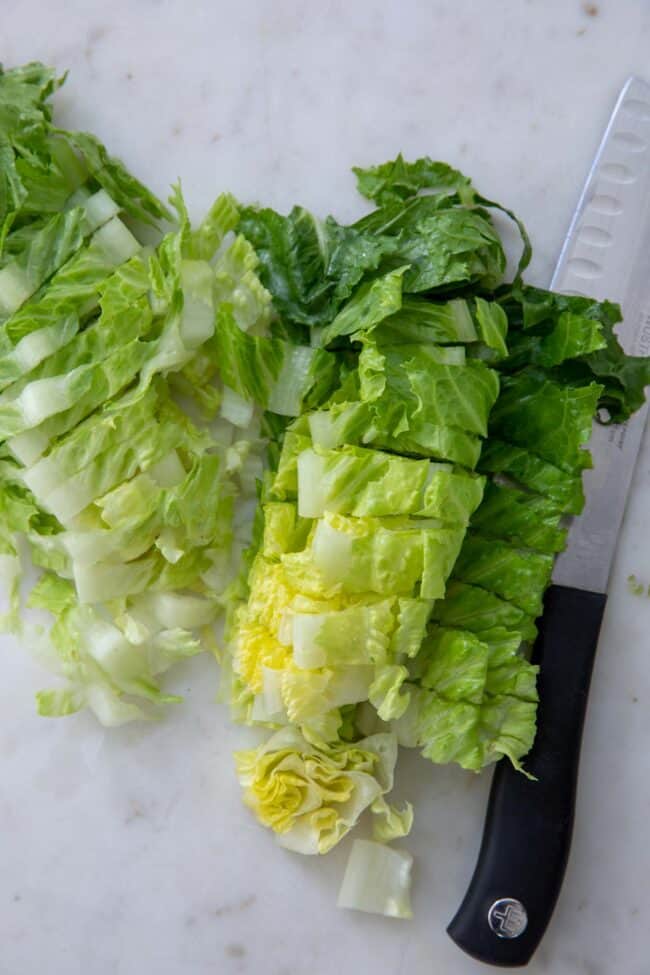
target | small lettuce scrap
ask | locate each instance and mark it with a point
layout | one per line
(377, 880)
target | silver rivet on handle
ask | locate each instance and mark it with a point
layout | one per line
(507, 918)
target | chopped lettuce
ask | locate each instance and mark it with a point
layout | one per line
(412, 429)
(105, 671)
(525, 519)
(525, 468)
(591, 352)
(413, 381)
(370, 483)
(384, 556)
(552, 420)
(269, 371)
(122, 491)
(420, 322)
(370, 305)
(310, 266)
(517, 575)
(377, 880)
(310, 793)
(468, 707)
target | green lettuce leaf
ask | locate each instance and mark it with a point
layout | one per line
(472, 735)
(356, 635)
(520, 517)
(397, 181)
(549, 419)
(370, 483)
(370, 305)
(467, 707)
(492, 324)
(412, 383)
(421, 321)
(28, 159)
(396, 186)
(471, 608)
(454, 247)
(587, 324)
(128, 192)
(116, 423)
(388, 427)
(386, 556)
(517, 575)
(309, 266)
(268, 370)
(530, 471)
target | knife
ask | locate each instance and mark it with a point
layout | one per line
(527, 833)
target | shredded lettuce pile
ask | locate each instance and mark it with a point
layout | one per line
(123, 447)
(409, 428)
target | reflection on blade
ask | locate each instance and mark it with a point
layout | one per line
(605, 255)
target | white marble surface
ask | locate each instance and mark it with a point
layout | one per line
(128, 852)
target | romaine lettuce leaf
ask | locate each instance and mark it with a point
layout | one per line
(309, 266)
(517, 575)
(370, 483)
(53, 404)
(492, 326)
(370, 305)
(471, 608)
(473, 735)
(530, 471)
(451, 248)
(72, 292)
(551, 420)
(356, 635)
(623, 376)
(387, 556)
(467, 708)
(520, 517)
(390, 427)
(117, 422)
(269, 371)
(412, 381)
(130, 194)
(356, 481)
(421, 321)
(34, 179)
(397, 186)
(398, 180)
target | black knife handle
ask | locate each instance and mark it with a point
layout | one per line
(528, 827)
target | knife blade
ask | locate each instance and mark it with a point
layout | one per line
(529, 822)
